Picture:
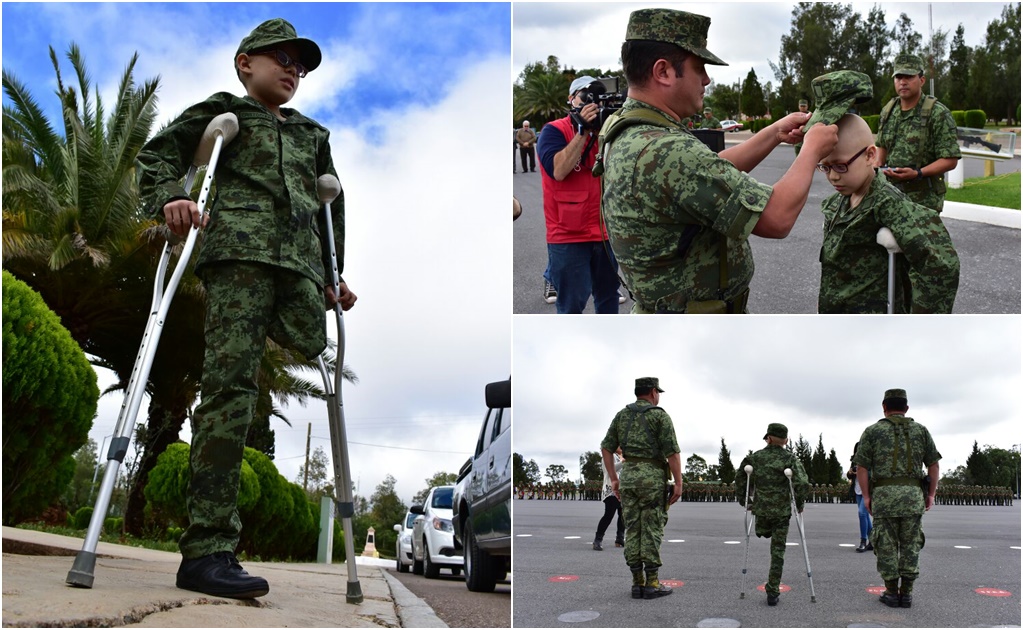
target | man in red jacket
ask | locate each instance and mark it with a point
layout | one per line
(581, 261)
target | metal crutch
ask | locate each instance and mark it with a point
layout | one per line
(886, 239)
(327, 189)
(749, 526)
(219, 132)
(802, 535)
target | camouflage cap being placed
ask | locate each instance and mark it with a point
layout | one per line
(894, 393)
(276, 32)
(649, 381)
(686, 30)
(907, 64)
(803, 102)
(834, 93)
(777, 430)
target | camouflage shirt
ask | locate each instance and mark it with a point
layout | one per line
(667, 200)
(896, 448)
(772, 497)
(909, 144)
(710, 123)
(627, 430)
(266, 208)
(854, 268)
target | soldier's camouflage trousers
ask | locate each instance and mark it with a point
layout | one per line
(897, 543)
(645, 517)
(777, 529)
(245, 303)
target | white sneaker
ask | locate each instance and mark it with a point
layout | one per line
(621, 298)
(550, 294)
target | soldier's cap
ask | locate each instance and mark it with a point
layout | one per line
(835, 93)
(894, 393)
(649, 381)
(777, 430)
(707, 110)
(802, 102)
(276, 32)
(685, 30)
(580, 83)
(908, 64)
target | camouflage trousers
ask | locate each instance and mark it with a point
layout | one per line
(246, 303)
(897, 543)
(645, 518)
(777, 529)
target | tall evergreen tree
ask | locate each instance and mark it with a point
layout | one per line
(956, 94)
(726, 471)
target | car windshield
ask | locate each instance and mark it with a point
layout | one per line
(442, 498)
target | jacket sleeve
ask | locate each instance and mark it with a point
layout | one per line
(740, 482)
(801, 485)
(325, 166)
(930, 254)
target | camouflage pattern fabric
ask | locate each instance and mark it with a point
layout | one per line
(772, 503)
(266, 209)
(246, 302)
(909, 144)
(710, 123)
(904, 533)
(657, 183)
(854, 268)
(642, 483)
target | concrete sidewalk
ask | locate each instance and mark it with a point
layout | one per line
(136, 587)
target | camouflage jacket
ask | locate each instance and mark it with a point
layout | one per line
(854, 268)
(266, 208)
(641, 448)
(896, 450)
(667, 201)
(710, 123)
(772, 497)
(909, 144)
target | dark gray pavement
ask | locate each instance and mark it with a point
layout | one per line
(561, 582)
(787, 274)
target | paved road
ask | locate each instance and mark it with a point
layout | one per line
(562, 582)
(787, 271)
(456, 605)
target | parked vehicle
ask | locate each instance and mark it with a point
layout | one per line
(731, 125)
(403, 546)
(433, 543)
(482, 498)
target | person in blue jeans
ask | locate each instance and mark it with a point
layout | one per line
(866, 526)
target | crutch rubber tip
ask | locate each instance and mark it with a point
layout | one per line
(748, 469)
(354, 594)
(83, 571)
(788, 473)
(225, 125)
(327, 188)
(886, 239)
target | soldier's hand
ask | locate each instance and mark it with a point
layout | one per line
(676, 493)
(790, 129)
(346, 299)
(181, 215)
(821, 140)
(900, 174)
(928, 502)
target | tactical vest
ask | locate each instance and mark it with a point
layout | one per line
(933, 181)
(627, 449)
(902, 451)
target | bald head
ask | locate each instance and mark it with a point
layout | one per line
(853, 134)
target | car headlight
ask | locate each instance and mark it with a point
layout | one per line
(442, 524)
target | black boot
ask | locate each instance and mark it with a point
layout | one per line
(638, 581)
(863, 546)
(906, 593)
(654, 588)
(220, 575)
(772, 599)
(597, 543)
(890, 596)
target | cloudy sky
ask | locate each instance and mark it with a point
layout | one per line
(743, 34)
(730, 377)
(411, 93)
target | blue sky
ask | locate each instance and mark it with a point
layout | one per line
(416, 98)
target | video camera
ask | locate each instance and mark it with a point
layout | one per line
(608, 98)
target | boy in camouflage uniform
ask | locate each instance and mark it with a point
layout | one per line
(646, 436)
(773, 498)
(896, 450)
(854, 267)
(263, 267)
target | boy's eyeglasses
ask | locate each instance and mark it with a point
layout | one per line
(840, 168)
(285, 61)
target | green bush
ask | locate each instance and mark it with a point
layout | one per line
(872, 121)
(975, 118)
(82, 517)
(49, 401)
(959, 116)
(113, 525)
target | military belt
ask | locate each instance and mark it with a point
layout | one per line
(647, 460)
(896, 481)
(736, 305)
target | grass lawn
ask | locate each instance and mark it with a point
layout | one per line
(117, 538)
(1001, 191)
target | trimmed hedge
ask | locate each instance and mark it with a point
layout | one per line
(975, 118)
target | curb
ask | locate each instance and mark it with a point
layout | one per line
(990, 215)
(413, 612)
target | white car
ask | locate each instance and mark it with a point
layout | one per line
(731, 125)
(433, 539)
(403, 546)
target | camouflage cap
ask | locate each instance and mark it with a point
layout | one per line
(707, 110)
(908, 64)
(777, 430)
(279, 31)
(649, 381)
(894, 393)
(803, 102)
(834, 93)
(685, 30)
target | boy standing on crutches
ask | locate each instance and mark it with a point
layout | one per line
(262, 264)
(773, 504)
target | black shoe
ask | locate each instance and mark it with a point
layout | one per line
(870, 547)
(862, 547)
(906, 600)
(619, 542)
(220, 575)
(637, 591)
(653, 592)
(890, 599)
(596, 545)
(772, 599)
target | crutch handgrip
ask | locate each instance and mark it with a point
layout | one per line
(788, 473)
(225, 125)
(327, 188)
(886, 239)
(748, 469)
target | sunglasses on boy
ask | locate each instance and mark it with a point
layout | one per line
(285, 61)
(840, 168)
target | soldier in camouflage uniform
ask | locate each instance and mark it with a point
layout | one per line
(854, 267)
(804, 105)
(263, 269)
(679, 216)
(916, 136)
(646, 436)
(896, 450)
(709, 122)
(772, 503)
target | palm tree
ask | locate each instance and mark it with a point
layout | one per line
(542, 97)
